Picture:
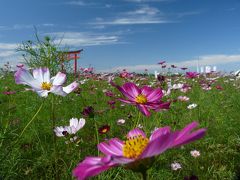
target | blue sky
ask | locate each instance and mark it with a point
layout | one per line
(132, 34)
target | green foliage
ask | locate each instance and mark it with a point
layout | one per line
(33, 156)
(43, 53)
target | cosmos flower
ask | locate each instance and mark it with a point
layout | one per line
(183, 98)
(191, 75)
(20, 65)
(192, 106)
(104, 129)
(88, 111)
(184, 68)
(9, 92)
(75, 125)
(60, 131)
(162, 62)
(121, 121)
(176, 166)
(73, 128)
(144, 98)
(195, 153)
(42, 84)
(137, 151)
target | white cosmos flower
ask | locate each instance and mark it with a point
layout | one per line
(75, 125)
(175, 166)
(195, 153)
(60, 131)
(192, 106)
(177, 86)
(41, 82)
(120, 121)
(73, 128)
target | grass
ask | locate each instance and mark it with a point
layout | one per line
(32, 156)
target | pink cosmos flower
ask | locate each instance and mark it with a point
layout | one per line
(144, 98)
(9, 92)
(191, 75)
(162, 62)
(42, 84)
(20, 65)
(137, 150)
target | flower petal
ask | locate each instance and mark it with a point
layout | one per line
(189, 138)
(71, 87)
(58, 90)
(159, 132)
(112, 148)
(91, 166)
(59, 79)
(22, 76)
(158, 145)
(144, 109)
(43, 93)
(130, 90)
(41, 74)
(152, 94)
(135, 132)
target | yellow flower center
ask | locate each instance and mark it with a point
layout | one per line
(141, 99)
(134, 146)
(104, 130)
(46, 86)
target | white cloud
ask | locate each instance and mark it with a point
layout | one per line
(25, 26)
(144, 10)
(79, 39)
(142, 15)
(203, 60)
(8, 46)
(7, 53)
(79, 3)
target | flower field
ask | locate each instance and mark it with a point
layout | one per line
(119, 126)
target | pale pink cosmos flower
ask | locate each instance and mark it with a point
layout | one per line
(183, 98)
(121, 121)
(74, 126)
(176, 166)
(195, 153)
(60, 131)
(42, 84)
(138, 149)
(144, 98)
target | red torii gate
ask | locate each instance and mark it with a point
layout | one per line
(72, 55)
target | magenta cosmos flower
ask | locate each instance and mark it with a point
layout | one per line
(137, 151)
(191, 75)
(41, 83)
(144, 98)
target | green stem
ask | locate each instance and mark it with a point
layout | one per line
(54, 136)
(39, 109)
(96, 129)
(137, 122)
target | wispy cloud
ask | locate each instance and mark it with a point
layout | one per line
(79, 39)
(80, 3)
(203, 60)
(25, 26)
(8, 46)
(142, 15)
